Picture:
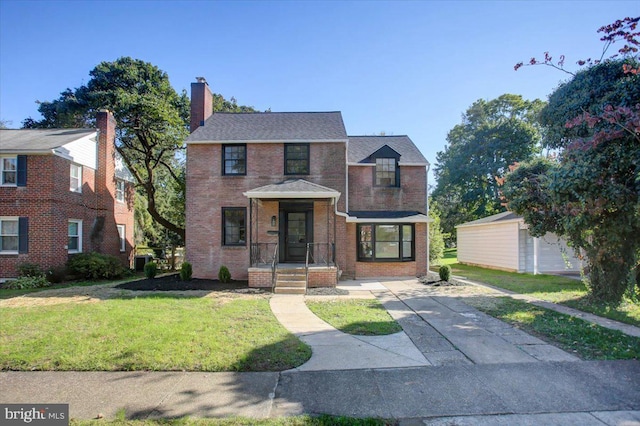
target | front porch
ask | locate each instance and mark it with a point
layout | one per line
(292, 234)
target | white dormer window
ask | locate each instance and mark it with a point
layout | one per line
(120, 190)
(75, 181)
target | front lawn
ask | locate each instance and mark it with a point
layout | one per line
(552, 288)
(587, 340)
(364, 317)
(6, 293)
(157, 332)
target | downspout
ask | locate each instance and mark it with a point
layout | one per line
(346, 192)
(536, 249)
(428, 224)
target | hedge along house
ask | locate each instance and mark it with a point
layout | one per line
(503, 241)
(288, 200)
(62, 192)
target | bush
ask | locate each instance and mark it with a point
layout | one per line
(224, 275)
(186, 270)
(445, 272)
(26, 282)
(27, 269)
(56, 275)
(95, 266)
(150, 270)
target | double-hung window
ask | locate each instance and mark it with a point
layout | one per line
(234, 226)
(9, 171)
(75, 236)
(9, 235)
(385, 242)
(234, 160)
(75, 178)
(122, 234)
(386, 172)
(296, 159)
(120, 190)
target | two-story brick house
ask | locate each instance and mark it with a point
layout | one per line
(63, 191)
(275, 191)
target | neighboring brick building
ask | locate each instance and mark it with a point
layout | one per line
(63, 191)
(291, 188)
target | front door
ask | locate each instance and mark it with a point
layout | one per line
(298, 229)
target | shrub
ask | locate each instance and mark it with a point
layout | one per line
(27, 269)
(186, 270)
(57, 274)
(95, 266)
(445, 272)
(26, 282)
(224, 275)
(150, 270)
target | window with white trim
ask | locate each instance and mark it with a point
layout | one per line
(120, 190)
(9, 171)
(75, 181)
(122, 233)
(9, 235)
(385, 242)
(75, 236)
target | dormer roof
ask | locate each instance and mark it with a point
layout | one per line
(362, 149)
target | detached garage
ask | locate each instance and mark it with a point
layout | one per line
(502, 241)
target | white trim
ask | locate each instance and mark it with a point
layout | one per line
(400, 164)
(2, 158)
(417, 218)
(124, 188)
(222, 142)
(12, 219)
(79, 235)
(122, 237)
(491, 223)
(79, 177)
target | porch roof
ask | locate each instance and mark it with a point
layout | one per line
(292, 188)
(387, 216)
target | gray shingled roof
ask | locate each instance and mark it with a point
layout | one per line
(270, 126)
(294, 188)
(361, 147)
(500, 217)
(39, 140)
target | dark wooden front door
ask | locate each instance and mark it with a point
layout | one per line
(296, 231)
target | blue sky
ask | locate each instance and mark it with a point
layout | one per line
(395, 67)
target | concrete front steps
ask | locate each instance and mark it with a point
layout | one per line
(291, 281)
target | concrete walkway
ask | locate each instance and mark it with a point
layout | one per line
(335, 350)
(627, 329)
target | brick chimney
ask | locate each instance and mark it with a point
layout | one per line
(201, 103)
(105, 175)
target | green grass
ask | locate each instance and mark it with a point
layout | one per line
(552, 288)
(587, 340)
(450, 257)
(150, 333)
(364, 317)
(7, 293)
(323, 420)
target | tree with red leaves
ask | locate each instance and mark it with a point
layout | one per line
(590, 193)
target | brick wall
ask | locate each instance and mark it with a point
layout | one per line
(208, 191)
(410, 196)
(49, 204)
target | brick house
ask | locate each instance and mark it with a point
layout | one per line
(284, 197)
(63, 191)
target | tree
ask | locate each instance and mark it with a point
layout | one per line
(436, 237)
(493, 134)
(152, 124)
(591, 193)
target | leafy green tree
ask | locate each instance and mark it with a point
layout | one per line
(152, 124)
(591, 193)
(436, 237)
(493, 135)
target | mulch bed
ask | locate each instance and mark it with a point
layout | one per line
(173, 283)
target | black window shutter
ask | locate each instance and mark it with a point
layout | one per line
(397, 174)
(22, 170)
(23, 235)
